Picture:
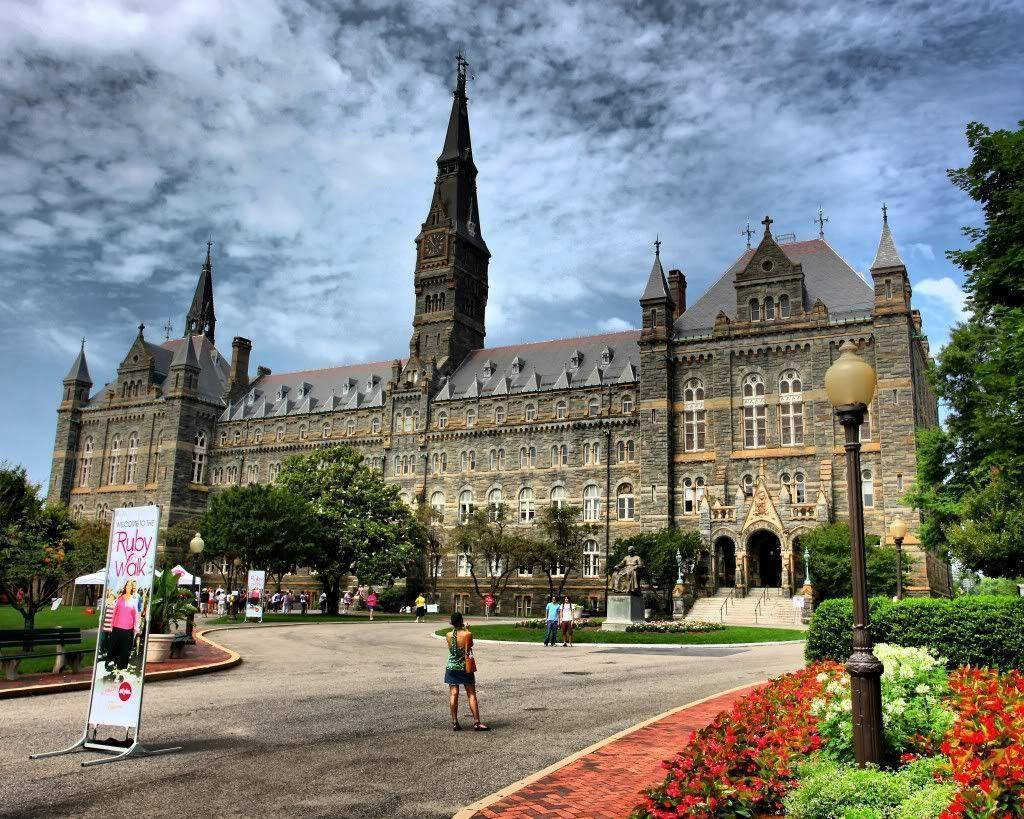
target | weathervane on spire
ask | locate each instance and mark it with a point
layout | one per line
(83, 344)
(657, 246)
(461, 72)
(748, 233)
(168, 329)
(820, 222)
(885, 214)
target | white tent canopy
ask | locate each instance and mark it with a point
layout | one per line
(99, 577)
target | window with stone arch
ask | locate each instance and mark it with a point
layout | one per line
(755, 310)
(237, 437)
(257, 435)
(527, 511)
(693, 491)
(375, 424)
(326, 431)
(531, 412)
(415, 420)
(800, 487)
(499, 415)
(302, 432)
(224, 438)
(591, 558)
(627, 404)
(492, 460)
(437, 505)
(199, 457)
(472, 460)
(350, 427)
(407, 420)
(494, 502)
(273, 471)
(755, 423)
(791, 409)
(465, 505)
(867, 488)
(470, 417)
(769, 309)
(561, 410)
(593, 408)
(102, 512)
(442, 420)
(625, 501)
(132, 459)
(279, 434)
(591, 503)
(694, 416)
(115, 459)
(85, 467)
(784, 306)
(557, 496)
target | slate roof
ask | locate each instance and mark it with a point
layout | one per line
(546, 365)
(886, 255)
(656, 288)
(827, 276)
(310, 391)
(79, 369)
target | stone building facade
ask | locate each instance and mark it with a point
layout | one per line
(710, 417)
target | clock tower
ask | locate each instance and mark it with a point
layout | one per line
(451, 255)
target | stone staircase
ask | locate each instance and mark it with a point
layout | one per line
(761, 607)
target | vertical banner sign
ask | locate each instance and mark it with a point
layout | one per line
(116, 697)
(254, 594)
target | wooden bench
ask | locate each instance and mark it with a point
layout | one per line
(178, 644)
(24, 640)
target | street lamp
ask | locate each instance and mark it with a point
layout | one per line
(195, 546)
(850, 385)
(898, 530)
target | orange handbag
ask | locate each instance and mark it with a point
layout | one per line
(470, 663)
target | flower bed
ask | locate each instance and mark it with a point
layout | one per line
(582, 622)
(674, 626)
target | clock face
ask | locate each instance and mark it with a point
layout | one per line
(433, 244)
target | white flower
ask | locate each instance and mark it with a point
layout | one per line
(822, 677)
(922, 688)
(847, 706)
(817, 706)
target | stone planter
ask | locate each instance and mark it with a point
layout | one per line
(158, 650)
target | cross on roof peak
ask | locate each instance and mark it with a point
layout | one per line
(820, 222)
(885, 214)
(767, 222)
(657, 245)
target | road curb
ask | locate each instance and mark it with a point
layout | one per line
(482, 804)
(477, 640)
(233, 659)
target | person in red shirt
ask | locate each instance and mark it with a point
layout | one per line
(371, 602)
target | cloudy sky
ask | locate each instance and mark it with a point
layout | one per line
(302, 137)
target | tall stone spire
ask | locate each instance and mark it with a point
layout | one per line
(886, 255)
(200, 319)
(79, 372)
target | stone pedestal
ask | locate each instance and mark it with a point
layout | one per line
(623, 610)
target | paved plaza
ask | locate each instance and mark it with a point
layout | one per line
(351, 720)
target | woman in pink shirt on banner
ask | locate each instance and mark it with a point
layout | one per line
(124, 625)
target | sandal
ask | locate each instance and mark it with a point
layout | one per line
(455, 725)
(479, 726)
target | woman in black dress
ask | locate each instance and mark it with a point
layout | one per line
(460, 648)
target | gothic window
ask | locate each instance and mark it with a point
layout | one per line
(563, 452)
(624, 496)
(274, 471)
(85, 469)
(103, 512)
(198, 457)
(526, 509)
(398, 464)
(493, 460)
(302, 432)
(748, 485)
(769, 309)
(524, 458)
(437, 504)
(115, 459)
(754, 413)
(593, 407)
(586, 454)
(407, 420)
(375, 424)
(471, 417)
(252, 473)
(415, 420)
(406, 464)
(224, 438)
(787, 486)
(694, 416)
(591, 503)
(499, 415)
(531, 412)
(800, 485)
(465, 505)
(442, 420)
(755, 310)
(554, 456)
(627, 404)
(689, 497)
(888, 289)
(868, 488)
(791, 409)
(557, 496)
(77, 511)
(472, 460)
(257, 435)
(625, 451)
(784, 306)
(327, 431)
(561, 410)
(463, 565)
(591, 559)
(350, 427)
(444, 461)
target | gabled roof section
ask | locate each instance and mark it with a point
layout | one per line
(886, 255)
(79, 369)
(827, 276)
(657, 287)
(185, 355)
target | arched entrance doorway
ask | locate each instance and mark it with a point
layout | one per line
(725, 561)
(765, 554)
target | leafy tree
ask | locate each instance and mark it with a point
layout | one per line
(560, 547)
(659, 552)
(832, 563)
(987, 537)
(434, 540)
(176, 538)
(360, 525)
(494, 549)
(89, 540)
(265, 526)
(37, 555)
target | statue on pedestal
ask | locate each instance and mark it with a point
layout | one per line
(629, 571)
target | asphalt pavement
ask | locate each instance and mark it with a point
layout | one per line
(352, 720)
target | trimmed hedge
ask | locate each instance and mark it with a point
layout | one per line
(972, 630)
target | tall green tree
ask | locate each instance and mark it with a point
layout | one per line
(361, 526)
(971, 477)
(660, 552)
(559, 549)
(434, 540)
(832, 563)
(493, 548)
(265, 526)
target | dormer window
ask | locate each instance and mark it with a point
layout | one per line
(517, 365)
(576, 360)
(606, 355)
(488, 368)
(282, 392)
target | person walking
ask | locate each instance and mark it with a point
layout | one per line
(460, 669)
(371, 602)
(323, 602)
(551, 622)
(565, 620)
(346, 602)
(303, 603)
(421, 608)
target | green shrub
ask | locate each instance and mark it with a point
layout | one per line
(391, 598)
(927, 803)
(970, 630)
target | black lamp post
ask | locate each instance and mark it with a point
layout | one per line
(898, 530)
(850, 384)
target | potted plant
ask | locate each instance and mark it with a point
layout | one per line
(170, 604)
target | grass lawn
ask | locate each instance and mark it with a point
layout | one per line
(730, 634)
(314, 617)
(64, 616)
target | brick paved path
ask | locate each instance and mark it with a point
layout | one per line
(607, 782)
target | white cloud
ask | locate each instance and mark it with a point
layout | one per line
(945, 293)
(614, 325)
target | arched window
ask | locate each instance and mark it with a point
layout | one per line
(524, 462)
(302, 432)
(526, 510)
(689, 497)
(442, 420)
(326, 431)
(501, 459)
(470, 417)
(531, 412)
(133, 458)
(586, 453)
(198, 457)
(561, 410)
(465, 505)
(787, 486)
(748, 484)
(620, 451)
(591, 503)
(237, 438)
(492, 459)
(437, 504)
(624, 495)
(77, 511)
(867, 488)
(864, 430)
(563, 452)
(554, 456)
(224, 438)
(398, 464)
(627, 404)
(85, 470)
(754, 417)
(769, 309)
(494, 503)
(257, 435)
(694, 416)
(252, 473)
(791, 409)
(415, 420)
(102, 512)
(784, 306)
(115, 459)
(499, 415)
(593, 407)
(801, 487)
(755, 310)
(591, 559)
(279, 434)
(472, 460)
(557, 496)
(407, 420)
(375, 424)
(444, 461)
(274, 471)
(462, 461)
(350, 427)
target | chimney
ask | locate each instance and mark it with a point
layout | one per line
(238, 380)
(677, 290)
